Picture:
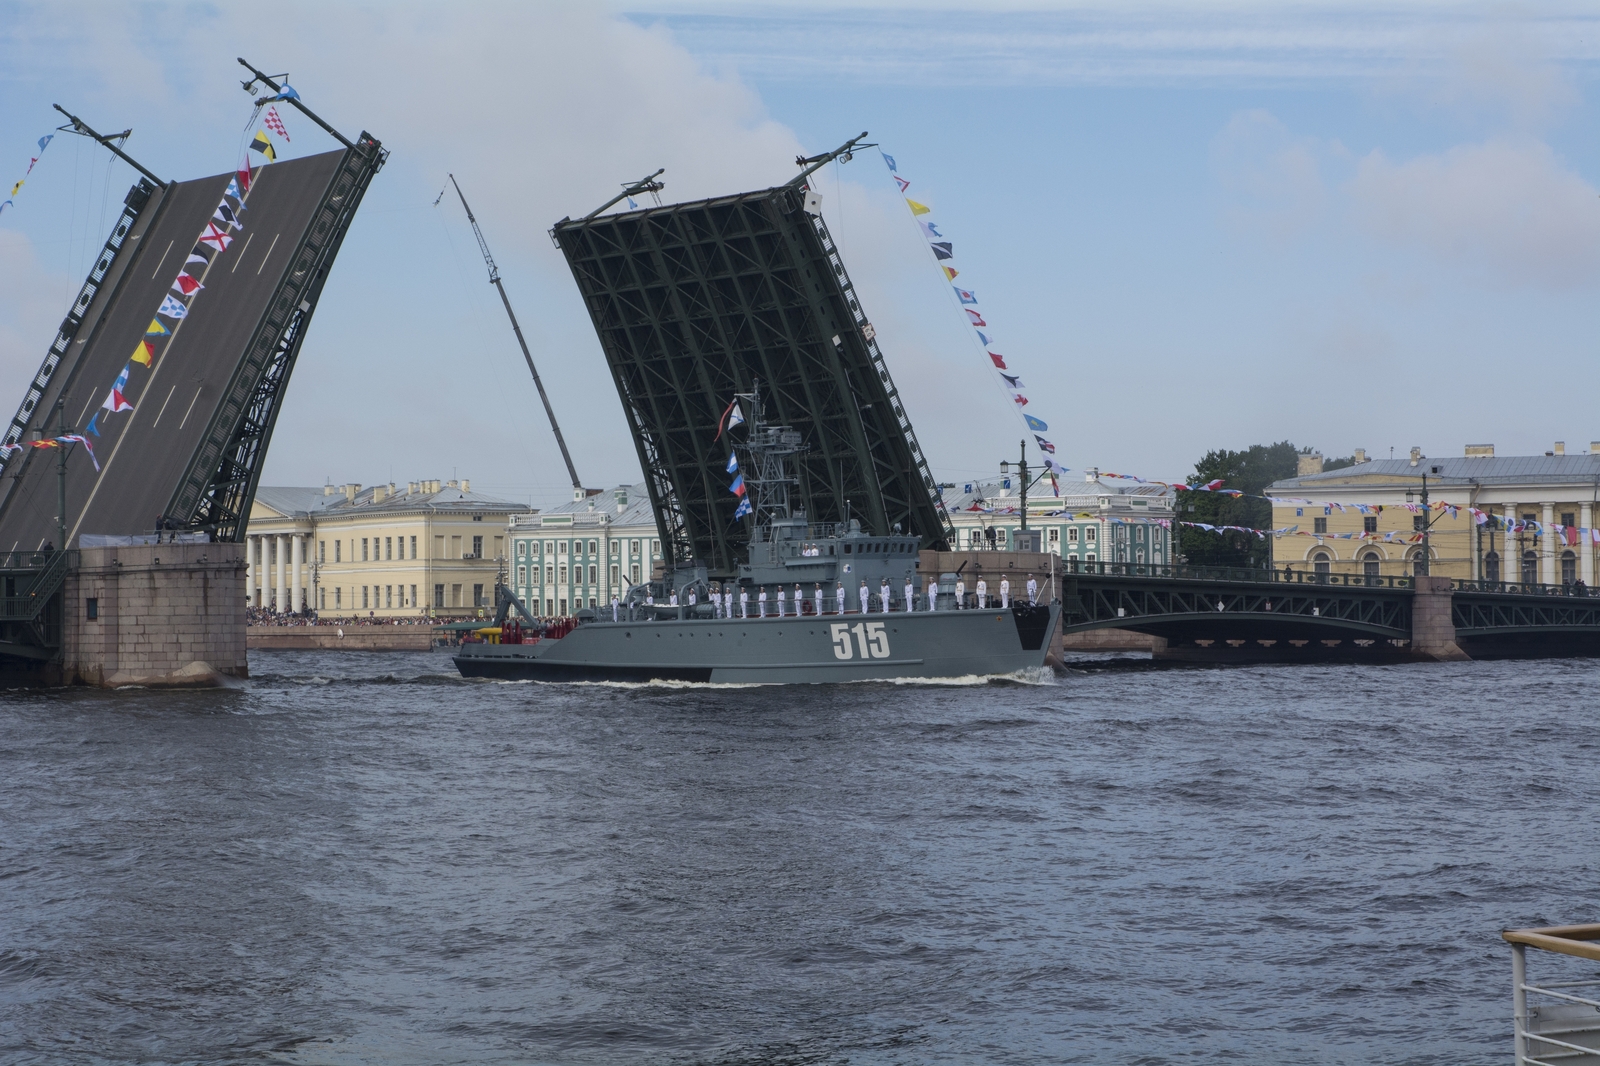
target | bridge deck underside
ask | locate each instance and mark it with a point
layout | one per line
(693, 302)
(145, 453)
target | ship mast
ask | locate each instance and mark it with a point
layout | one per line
(770, 448)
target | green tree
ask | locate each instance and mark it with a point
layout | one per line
(1250, 471)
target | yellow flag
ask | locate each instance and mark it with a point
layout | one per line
(143, 353)
(15, 187)
(156, 329)
(950, 272)
(916, 208)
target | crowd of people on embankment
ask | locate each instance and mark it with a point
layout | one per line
(263, 616)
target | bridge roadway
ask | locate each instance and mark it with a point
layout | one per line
(144, 453)
(1231, 615)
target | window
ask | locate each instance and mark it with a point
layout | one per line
(363, 549)
(337, 545)
(1072, 535)
(91, 607)
(591, 573)
(634, 572)
(322, 551)
(438, 596)
(592, 548)
(1321, 563)
(549, 608)
(1568, 519)
(1419, 522)
(1319, 525)
(413, 595)
(616, 548)
(338, 595)
(633, 547)
(1530, 567)
(1569, 567)
(1000, 534)
(563, 606)
(1088, 534)
(563, 573)
(1089, 558)
(522, 575)
(477, 548)
(413, 551)
(1370, 564)
(364, 598)
(613, 573)
(477, 595)
(974, 539)
(549, 575)
(1491, 566)
(322, 599)
(548, 547)
(655, 549)
(388, 549)
(561, 547)
(1369, 524)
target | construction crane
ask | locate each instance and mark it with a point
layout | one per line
(494, 279)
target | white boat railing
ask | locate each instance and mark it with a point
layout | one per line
(1556, 1024)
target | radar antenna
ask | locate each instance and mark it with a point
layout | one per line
(494, 279)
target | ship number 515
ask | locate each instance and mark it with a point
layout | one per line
(871, 640)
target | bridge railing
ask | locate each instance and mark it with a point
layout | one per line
(1184, 572)
(1520, 588)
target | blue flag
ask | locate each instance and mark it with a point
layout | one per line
(743, 509)
(887, 158)
(984, 337)
(737, 488)
(1035, 424)
(733, 464)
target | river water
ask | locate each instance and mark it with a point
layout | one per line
(364, 859)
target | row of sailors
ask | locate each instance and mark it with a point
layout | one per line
(722, 599)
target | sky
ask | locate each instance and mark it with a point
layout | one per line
(1190, 226)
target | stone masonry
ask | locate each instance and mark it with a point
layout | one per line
(1433, 628)
(163, 615)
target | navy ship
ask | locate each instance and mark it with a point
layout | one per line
(814, 603)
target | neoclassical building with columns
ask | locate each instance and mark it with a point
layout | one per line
(427, 547)
(1557, 491)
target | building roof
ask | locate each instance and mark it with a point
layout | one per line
(1074, 496)
(602, 506)
(294, 502)
(1472, 470)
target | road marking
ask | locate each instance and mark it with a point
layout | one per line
(85, 408)
(240, 257)
(163, 410)
(191, 406)
(163, 259)
(270, 247)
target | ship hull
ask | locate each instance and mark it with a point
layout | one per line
(811, 650)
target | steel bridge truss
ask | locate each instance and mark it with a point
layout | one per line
(693, 303)
(220, 482)
(1219, 610)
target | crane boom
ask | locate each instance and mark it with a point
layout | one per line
(494, 279)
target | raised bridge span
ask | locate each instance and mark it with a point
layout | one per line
(189, 453)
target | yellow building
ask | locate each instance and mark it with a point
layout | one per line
(427, 547)
(1364, 519)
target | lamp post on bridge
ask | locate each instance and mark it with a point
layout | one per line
(1022, 474)
(1427, 515)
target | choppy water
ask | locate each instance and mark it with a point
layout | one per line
(363, 859)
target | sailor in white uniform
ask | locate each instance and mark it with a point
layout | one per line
(866, 597)
(674, 600)
(798, 611)
(933, 595)
(616, 613)
(838, 599)
(783, 599)
(961, 594)
(744, 603)
(1033, 591)
(1005, 592)
(911, 596)
(983, 594)
(883, 596)
(727, 602)
(761, 597)
(694, 597)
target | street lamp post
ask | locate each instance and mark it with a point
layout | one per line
(1427, 519)
(1022, 473)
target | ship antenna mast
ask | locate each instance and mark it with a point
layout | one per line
(494, 279)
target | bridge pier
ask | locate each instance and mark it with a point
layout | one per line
(155, 614)
(1433, 627)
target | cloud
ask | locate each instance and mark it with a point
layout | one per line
(1510, 209)
(31, 306)
(1271, 178)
